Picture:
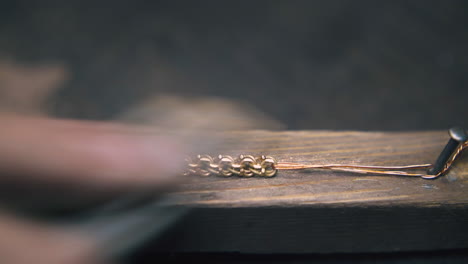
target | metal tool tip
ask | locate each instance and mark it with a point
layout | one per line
(459, 134)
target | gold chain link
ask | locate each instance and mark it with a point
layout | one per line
(243, 166)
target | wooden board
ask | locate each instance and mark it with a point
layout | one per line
(324, 211)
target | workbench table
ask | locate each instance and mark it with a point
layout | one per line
(325, 211)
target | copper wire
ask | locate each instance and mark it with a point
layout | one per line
(382, 170)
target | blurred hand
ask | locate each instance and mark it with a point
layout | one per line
(74, 155)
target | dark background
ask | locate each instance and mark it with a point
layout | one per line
(336, 64)
(366, 65)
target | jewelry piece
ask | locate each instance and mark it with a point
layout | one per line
(267, 166)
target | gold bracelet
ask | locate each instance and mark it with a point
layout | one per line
(267, 166)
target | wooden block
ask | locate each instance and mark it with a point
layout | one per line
(323, 211)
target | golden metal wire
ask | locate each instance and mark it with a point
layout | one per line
(267, 166)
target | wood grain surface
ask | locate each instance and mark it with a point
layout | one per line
(323, 211)
(321, 187)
